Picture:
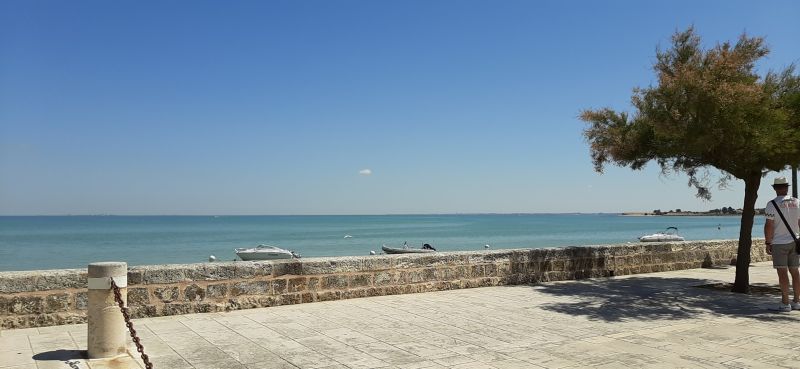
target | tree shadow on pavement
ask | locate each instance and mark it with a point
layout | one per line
(654, 298)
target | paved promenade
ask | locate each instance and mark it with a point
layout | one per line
(658, 320)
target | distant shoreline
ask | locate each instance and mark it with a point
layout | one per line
(681, 214)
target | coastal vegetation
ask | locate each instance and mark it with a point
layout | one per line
(725, 210)
(709, 111)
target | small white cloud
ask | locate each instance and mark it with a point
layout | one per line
(365, 172)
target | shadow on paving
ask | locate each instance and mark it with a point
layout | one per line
(60, 355)
(654, 298)
(69, 357)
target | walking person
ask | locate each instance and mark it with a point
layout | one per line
(780, 242)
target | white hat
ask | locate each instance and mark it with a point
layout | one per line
(780, 181)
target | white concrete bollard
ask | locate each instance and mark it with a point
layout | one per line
(106, 325)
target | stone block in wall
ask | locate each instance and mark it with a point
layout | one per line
(217, 291)
(145, 311)
(212, 307)
(524, 267)
(486, 282)
(42, 280)
(135, 276)
(450, 273)
(279, 286)
(290, 299)
(316, 267)
(245, 302)
(194, 292)
(13, 322)
(476, 271)
(329, 295)
(360, 280)
(176, 309)
(81, 300)
(489, 257)
(213, 272)
(386, 278)
(307, 297)
(12, 282)
(313, 283)
(600, 263)
(522, 256)
(420, 261)
(166, 294)
(498, 270)
(202, 307)
(45, 320)
(554, 264)
(333, 266)
(371, 292)
(466, 283)
(26, 305)
(425, 287)
(57, 302)
(412, 276)
(378, 263)
(138, 296)
(250, 288)
(60, 280)
(262, 301)
(287, 268)
(393, 290)
(297, 284)
(247, 270)
(361, 293)
(164, 275)
(337, 282)
(5, 305)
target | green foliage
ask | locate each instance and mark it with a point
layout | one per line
(710, 109)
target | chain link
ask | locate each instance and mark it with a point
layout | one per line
(129, 324)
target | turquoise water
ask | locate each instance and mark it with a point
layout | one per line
(30, 243)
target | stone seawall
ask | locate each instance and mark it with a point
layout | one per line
(54, 297)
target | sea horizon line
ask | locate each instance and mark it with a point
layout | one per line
(302, 215)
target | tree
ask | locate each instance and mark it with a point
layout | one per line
(709, 110)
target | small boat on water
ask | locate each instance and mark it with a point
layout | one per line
(426, 248)
(265, 252)
(670, 234)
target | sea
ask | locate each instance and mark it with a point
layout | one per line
(61, 242)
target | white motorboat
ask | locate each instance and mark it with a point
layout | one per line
(670, 234)
(407, 250)
(265, 252)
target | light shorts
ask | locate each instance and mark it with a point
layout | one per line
(784, 256)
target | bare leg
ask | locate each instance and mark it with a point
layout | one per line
(783, 279)
(795, 283)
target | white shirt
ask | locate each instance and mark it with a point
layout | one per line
(789, 207)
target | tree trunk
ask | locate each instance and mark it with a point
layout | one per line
(751, 184)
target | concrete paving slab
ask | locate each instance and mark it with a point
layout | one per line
(22, 356)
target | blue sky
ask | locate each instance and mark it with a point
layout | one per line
(275, 107)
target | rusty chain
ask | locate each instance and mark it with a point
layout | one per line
(129, 324)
